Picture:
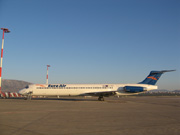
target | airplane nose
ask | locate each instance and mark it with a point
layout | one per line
(22, 91)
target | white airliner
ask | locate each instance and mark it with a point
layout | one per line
(99, 90)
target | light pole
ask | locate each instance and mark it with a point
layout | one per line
(47, 75)
(5, 30)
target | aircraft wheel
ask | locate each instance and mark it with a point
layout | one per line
(101, 98)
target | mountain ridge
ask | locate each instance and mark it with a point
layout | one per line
(9, 85)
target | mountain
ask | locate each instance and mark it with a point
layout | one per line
(13, 85)
(176, 91)
(162, 90)
(159, 90)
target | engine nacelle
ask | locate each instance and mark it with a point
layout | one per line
(134, 89)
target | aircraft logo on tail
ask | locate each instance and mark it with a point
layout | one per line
(151, 77)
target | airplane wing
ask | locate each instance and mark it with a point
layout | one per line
(101, 93)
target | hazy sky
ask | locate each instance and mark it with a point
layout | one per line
(91, 41)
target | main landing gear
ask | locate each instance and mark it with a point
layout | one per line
(101, 98)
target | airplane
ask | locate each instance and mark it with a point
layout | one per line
(99, 90)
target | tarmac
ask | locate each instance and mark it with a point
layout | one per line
(87, 116)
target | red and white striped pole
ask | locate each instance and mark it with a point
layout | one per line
(4, 31)
(47, 75)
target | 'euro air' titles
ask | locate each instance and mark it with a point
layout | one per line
(57, 86)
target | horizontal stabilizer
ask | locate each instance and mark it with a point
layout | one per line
(163, 71)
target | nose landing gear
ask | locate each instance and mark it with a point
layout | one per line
(29, 96)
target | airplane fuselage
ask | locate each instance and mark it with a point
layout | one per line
(81, 89)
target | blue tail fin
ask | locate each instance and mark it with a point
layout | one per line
(153, 77)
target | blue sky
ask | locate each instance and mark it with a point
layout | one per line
(91, 41)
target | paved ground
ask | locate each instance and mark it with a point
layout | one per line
(76, 116)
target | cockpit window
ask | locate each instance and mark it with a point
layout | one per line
(27, 87)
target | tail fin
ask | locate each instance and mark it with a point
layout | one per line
(153, 77)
